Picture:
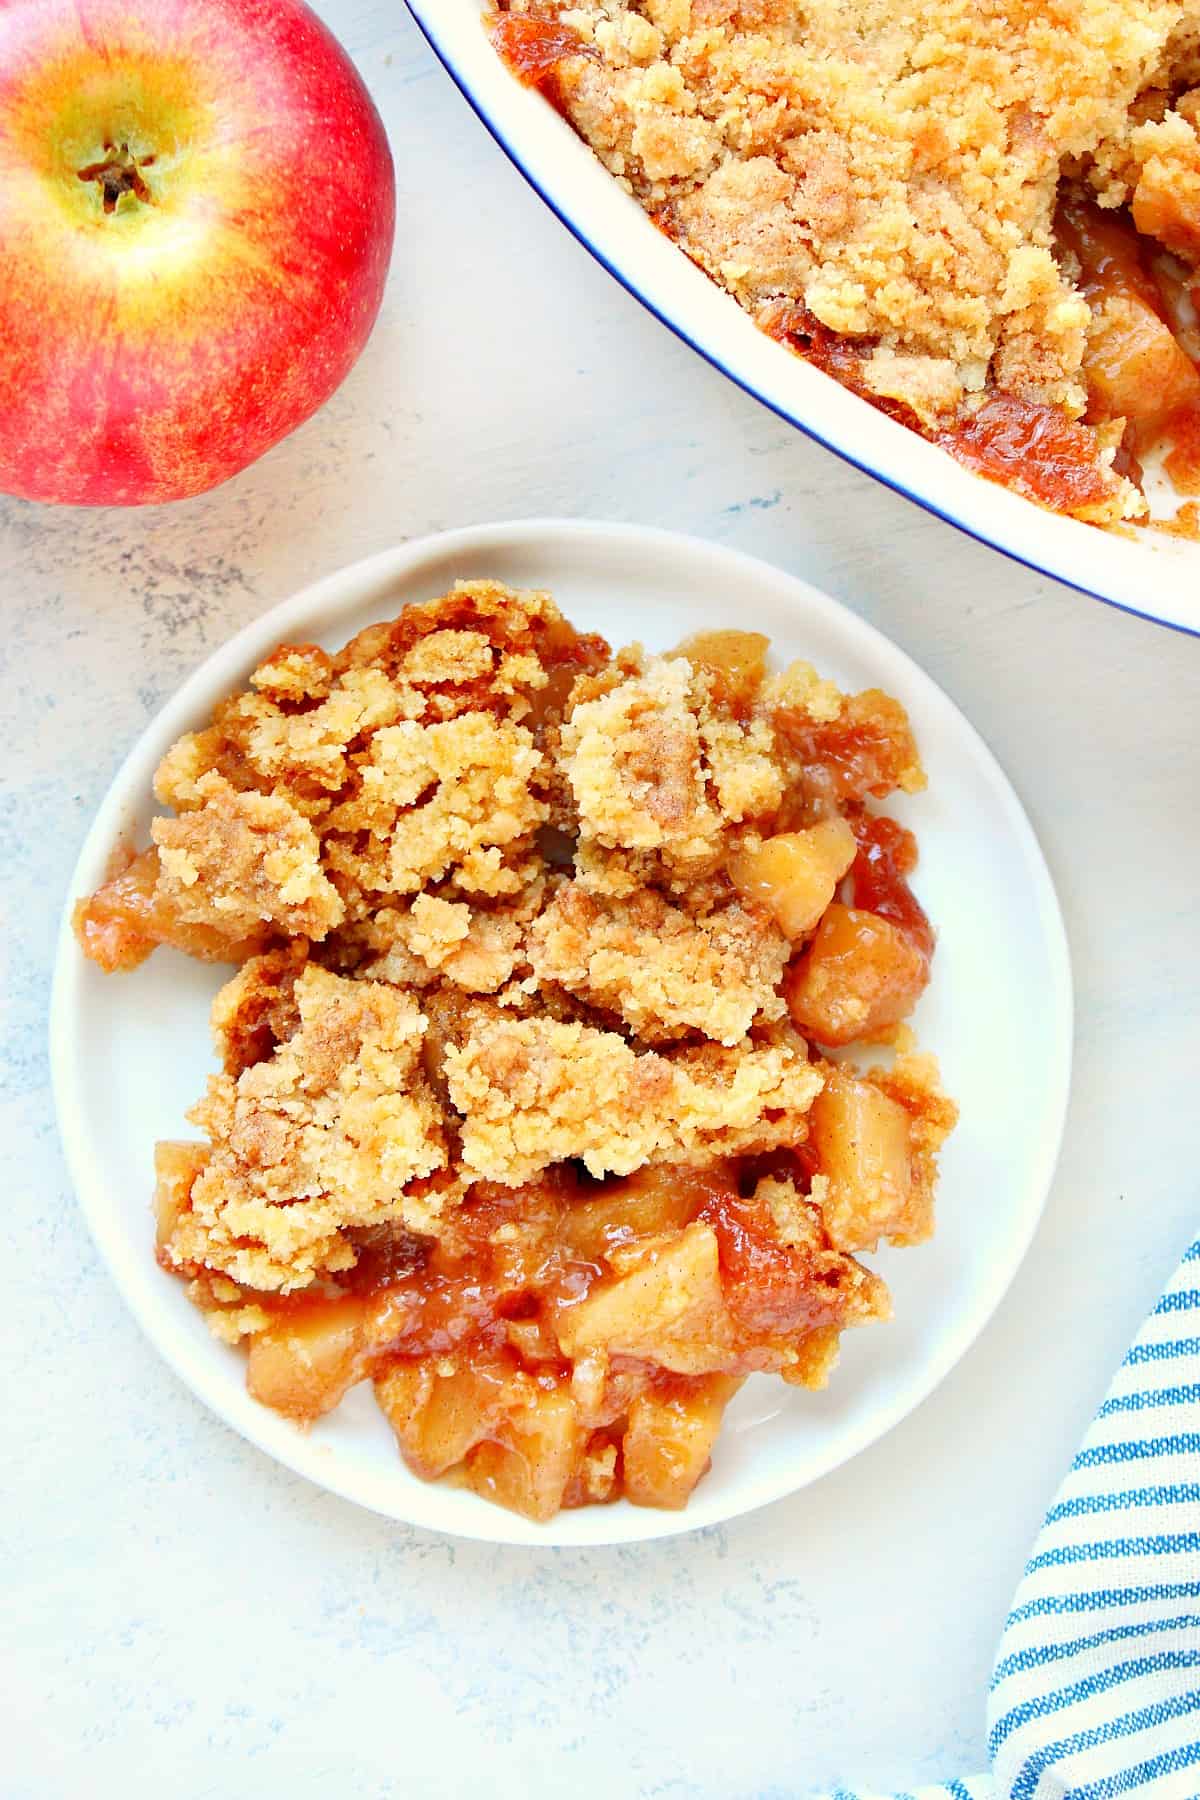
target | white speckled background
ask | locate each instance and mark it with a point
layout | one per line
(181, 1617)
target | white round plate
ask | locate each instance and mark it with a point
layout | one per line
(131, 1052)
(1144, 572)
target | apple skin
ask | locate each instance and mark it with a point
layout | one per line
(152, 350)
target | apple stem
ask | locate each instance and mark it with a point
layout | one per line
(119, 172)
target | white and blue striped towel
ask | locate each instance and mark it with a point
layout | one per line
(1096, 1690)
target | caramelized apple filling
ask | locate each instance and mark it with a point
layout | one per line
(988, 230)
(525, 1113)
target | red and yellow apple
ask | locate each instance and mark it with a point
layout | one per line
(197, 205)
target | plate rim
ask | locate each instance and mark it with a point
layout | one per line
(1125, 585)
(340, 591)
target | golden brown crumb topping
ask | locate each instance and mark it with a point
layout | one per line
(532, 1092)
(520, 1114)
(331, 1132)
(244, 863)
(663, 971)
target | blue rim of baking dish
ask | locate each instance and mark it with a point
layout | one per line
(710, 356)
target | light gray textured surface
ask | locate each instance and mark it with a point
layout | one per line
(180, 1615)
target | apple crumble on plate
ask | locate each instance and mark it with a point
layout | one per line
(534, 1108)
(984, 218)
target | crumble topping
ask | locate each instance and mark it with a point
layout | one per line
(431, 801)
(533, 1092)
(244, 861)
(321, 1137)
(664, 972)
(633, 759)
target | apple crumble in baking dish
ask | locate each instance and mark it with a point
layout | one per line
(534, 1108)
(983, 218)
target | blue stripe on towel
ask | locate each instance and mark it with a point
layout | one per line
(1109, 1549)
(1103, 1598)
(1178, 1300)
(1095, 1456)
(1151, 1353)
(1168, 1396)
(1038, 1654)
(1168, 1493)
